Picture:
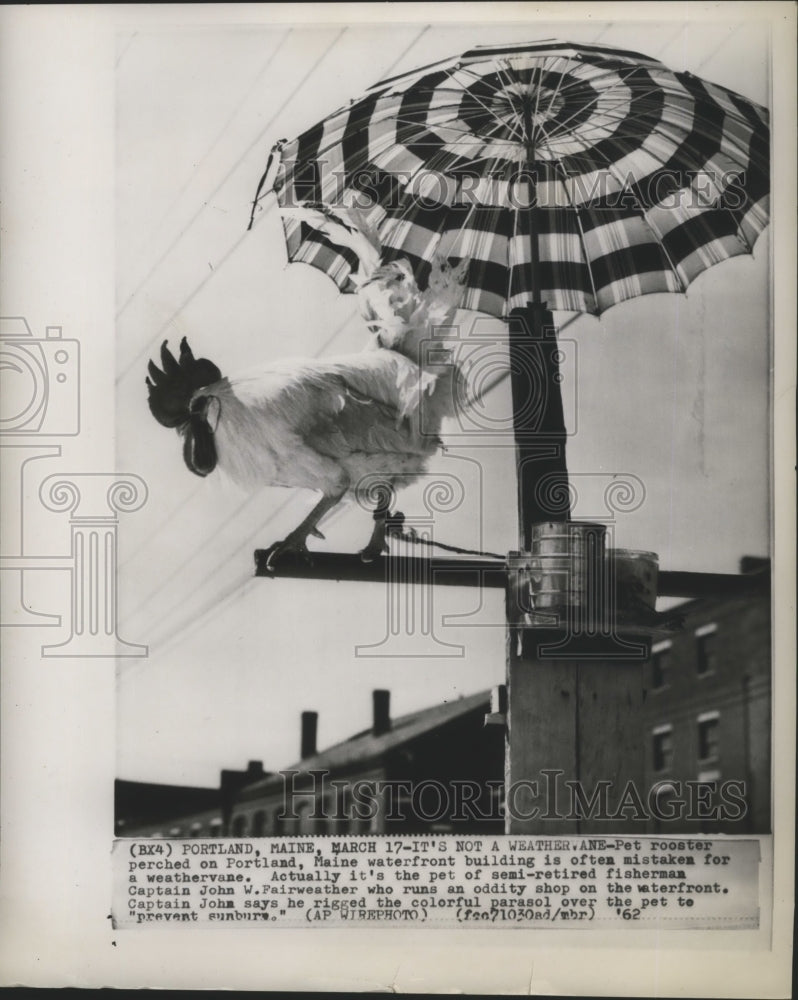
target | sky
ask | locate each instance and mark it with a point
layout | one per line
(670, 389)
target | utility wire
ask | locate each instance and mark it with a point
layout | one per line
(164, 583)
(218, 187)
(489, 388)
(323, 347)
(264, 131)
(148, 344)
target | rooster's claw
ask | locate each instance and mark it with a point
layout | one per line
(372, 552)
(290, 544)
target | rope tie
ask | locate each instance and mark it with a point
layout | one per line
(394, 528)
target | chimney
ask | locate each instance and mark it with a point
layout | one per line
(382, 712)
(309, 723)
(754, 564)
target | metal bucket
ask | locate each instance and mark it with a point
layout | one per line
(635, 575)
(566, 563)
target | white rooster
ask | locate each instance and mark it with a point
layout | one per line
(332, 425)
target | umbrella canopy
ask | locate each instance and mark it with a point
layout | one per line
(575, 175)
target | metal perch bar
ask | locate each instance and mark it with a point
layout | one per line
(457, 572)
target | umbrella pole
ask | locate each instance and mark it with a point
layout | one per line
(563, 694)
(567, 688)
(538, 420)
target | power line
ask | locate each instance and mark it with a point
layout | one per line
(238, 510)
(221, 183)
(240, 160)
(217, 601)
(321, 350)
(123, 53)
(147, 346)
(491, 386)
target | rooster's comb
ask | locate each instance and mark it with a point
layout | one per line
(172, 386)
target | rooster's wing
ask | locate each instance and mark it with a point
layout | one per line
(322, 424)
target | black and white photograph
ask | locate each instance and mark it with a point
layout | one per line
(420, 610)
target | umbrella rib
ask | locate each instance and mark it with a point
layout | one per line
(426, 166)
(485, 106)
(682, 284)
(431, 126)
(370, 154)
(577, 210)
(481, 78)
(612, 115)
(557, 90)
(641, 215)
(510, 72)
(626, 98)
(619, 73)
(367, 154)
(671, 87)
(630, 108)
(508, 297)
(695, 164)
(561, 127)
(496, 90)
(610, 166)
(504, 73)
(462, 114)
(471, 135)
(609, 132)
(662, 129)
(341, 126)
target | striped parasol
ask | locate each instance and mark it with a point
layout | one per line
(575, 175)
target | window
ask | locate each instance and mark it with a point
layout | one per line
(305, 822)
(708, 733)
(216, 828)
(239, 825)
(196, 829)
(666, 803)
(705, 639)
(662, 746)
(259, 823)
(341, 806)
(660, 664)
(497, 803)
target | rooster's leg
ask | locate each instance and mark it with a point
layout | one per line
(296, 541)
(382, 515)
(377, 544)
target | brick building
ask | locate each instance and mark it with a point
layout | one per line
(707, 712)
(435, 770)
(706, 735)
